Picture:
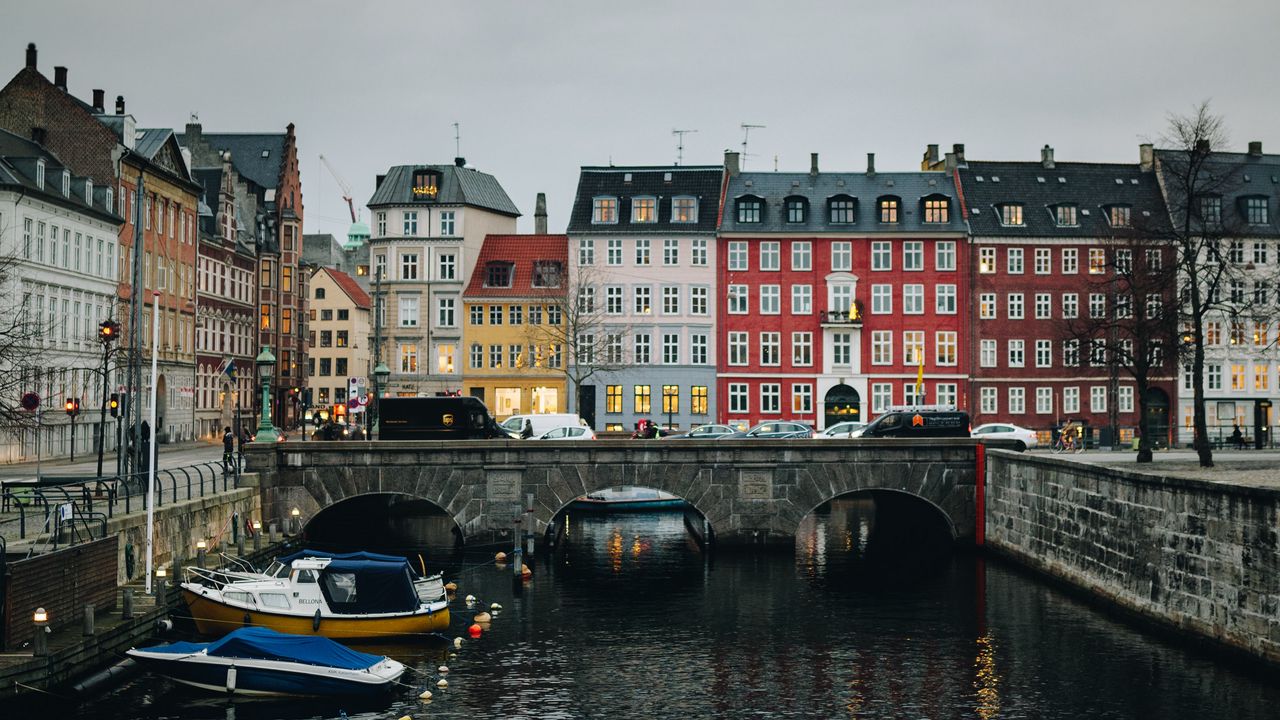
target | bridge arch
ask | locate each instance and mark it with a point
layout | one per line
(382, 520)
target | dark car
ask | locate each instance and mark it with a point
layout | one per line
(918, 424)
(773, 430)
(705, 432)
(436, 418)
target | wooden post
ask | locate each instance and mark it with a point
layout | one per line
(517, 557)
(126, 604)
(88, 620)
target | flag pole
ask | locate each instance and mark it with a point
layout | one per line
(151, 461)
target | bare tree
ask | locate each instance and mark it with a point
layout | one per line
(21, 331)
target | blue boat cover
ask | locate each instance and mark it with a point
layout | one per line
(358, 555)
(262, 644)
(369, 586)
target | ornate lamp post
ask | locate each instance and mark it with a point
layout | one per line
(266, 363)
(380, 374)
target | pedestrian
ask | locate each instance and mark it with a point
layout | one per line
(1237, 437)
(526, 432)
(228, 450)
(146, 446)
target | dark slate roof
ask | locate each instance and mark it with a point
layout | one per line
(149, 141)
(247, 154)
(522, 251)
(18, 158)
(211, 179)
(458, 186)
(910, 187)
(1090, 186)
(1234, 177)
(625, 183)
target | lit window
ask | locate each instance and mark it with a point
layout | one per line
(936, 210)
(644, 210)
(1118, 215)
(1065, 215)
(684, 210)
(889, 210)
(604, 210)
(986, 260)
(1011, 214)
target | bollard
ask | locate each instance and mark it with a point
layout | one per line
(257, 538)
(200, 557)
(126, 604)
(240, 546)
(275, 533)
(88, 620)
(161, 599)
(40, 641)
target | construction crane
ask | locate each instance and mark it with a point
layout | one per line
(346, 189)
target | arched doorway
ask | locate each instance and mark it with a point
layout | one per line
(841, 403)
(1157, 408)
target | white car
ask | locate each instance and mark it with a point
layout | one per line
(568, 432)
(1004, 431)
(844, 429)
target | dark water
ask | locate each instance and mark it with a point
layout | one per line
(630, 619)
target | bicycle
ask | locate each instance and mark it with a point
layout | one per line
(1067, 442)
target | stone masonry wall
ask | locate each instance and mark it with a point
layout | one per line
(1198, 556)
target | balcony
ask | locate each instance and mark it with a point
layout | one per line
(850, 317)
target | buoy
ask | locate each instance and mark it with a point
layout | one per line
(495, 606)
(474, 631)
(451, 587)
(426, 695)
(482, 617)
(525, 572)
(442, 683)
(471, 599)
(443, 668)
(500, 557)
(406, 717)
(457, 642)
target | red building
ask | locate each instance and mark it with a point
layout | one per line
(838, 291)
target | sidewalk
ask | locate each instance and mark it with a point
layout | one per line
(63, 465)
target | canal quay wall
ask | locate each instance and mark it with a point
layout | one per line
(1198, 557)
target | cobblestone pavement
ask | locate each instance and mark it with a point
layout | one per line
(1249, 468)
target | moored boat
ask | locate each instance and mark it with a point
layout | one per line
(328, 596)
(259, 661)
(627, 500)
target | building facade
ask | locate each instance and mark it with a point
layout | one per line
(642, 248)
(429, 223)
(514, 359)
(843, 292)
(341, 337)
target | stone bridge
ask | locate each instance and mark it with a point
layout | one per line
(750, 492)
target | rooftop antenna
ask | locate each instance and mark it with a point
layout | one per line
(457, 140)
(775, 163)
(746, 133)
(680, 143)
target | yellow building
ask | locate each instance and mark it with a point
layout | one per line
(517, 285)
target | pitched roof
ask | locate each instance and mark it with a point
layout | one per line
(522, 251)
(458, 186)
(256, 156)
(1090, 186)
(910, 187)
(1233, 176)
(349, 286)
(18, 159)
(659, 182)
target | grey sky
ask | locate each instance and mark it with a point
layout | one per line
(541, 88)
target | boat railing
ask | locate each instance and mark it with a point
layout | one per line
(216, 578)
(238, 564)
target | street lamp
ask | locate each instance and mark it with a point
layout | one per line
(266, 363)
(380, 374)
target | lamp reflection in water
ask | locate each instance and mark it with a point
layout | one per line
(614, 548)
(986, 681)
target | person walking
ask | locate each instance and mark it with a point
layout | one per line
(526, 432)
(228, 450)
(1237, 437)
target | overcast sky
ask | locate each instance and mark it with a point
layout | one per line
(541, 88)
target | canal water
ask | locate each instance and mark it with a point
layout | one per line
(629, 618)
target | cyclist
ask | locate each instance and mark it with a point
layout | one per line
(1071, 437)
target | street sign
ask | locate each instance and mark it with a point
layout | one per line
(30, 401)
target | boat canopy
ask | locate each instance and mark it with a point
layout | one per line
(359, 555)
(369, 586)
(263, 644)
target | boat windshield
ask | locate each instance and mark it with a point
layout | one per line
(277, 569)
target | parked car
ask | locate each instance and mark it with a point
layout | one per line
(568, 432)
(541, 423)
(844, 429)
(1004, 431)
(773, 430)
(918, 423)
(705, 432)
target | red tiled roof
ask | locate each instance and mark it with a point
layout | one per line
(350, 287)
(523, 251)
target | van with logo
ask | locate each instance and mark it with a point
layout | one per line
(542, 422)
(919, 423)
(436, 418)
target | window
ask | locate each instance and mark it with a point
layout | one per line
(642, 296)
(888, 209)
(1044, 261)
(495, 314)
(1044, 353)
(801, 255)
(447, 223)
(944, 255)
(670, 349)
(698, 300)
(1070, 306)
(326, 366)
(1070, 400)
(989, 400)
(770, 256)
(841, 209)
(286, 274)
(1015, 306)
(535, 314)
(1097, 306)
(444, 358)
(881, 256)
(644, 210)
(738, 301)
(326, 338)
(936, 210)
(769, 303)
(945, 347)
(547, 273)
(882, 347)
(613, 252)
(408, 311)
(445, 316)
(1125, 398)
(801, 349)
(586, 251)
(841, 299)
(698, 349)
(750, 209)
(642, 251)
(1261, 377)
(987, 353)
(641, 347)
(770, 398)
(515, 357)
(1010, 214)
(737, 348)
(913, 255)
(604, 211)
(1017, 353)
(380, 265)
(841, 256)
(495, 356)
(1124, 307)
(613, 299)
(408, 266)
(1097, 353)
(1124, 261)
(1017, 400)
(1014, 259)
(684, 209)
(770, 348)
(841, 349)
(913, 299)
(881, 397)
(612, 347)
(446, 266)
(670, 300)
(1213, 375)
(882, 299)
(738, 255)
(640, 399)
(698, 252)
(913, 350)
(670, 252)
(613, 398)
(1259, 253)
(1098, 399)
(1044, 306)
(1065, 215)
(797, 208)
(1212, 332)
(1118, 215)
(477, 356)
(408, 357)
(410, 223)
(986, 260)
(1097, 261)
(498, 274)
(1255, 210)
(802, 398)
(802, 299)
(987, 306)
(738, 399)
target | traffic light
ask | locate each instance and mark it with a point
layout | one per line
(114, 404)
(108, 331)
(72, 406)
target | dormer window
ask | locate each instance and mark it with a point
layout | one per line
(111, 200)
(547, 273)
(604, 211)
(497, 275)
(750, 209)
(797, 209)
(426, 184)
(88, 193)
(1255, 210)
(1065, 215)
(1118, 215)
(937, 209)
(889, 209)
(40, 174)
(841, 209)
(66, 183)
(644, 210)
(684, 209)
(1010, 214)
(1211, 211)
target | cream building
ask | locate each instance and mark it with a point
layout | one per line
(340, 337)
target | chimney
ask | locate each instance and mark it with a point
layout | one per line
(60, 78)
(930, 161)
(31, 55)
(119, 104)
(813, 164)
(957, 149)
(460, 162)
(731, 166)
(1202, 145)
(871, 164)
(1046, 157)
(540, 215)
(99, 100)
(949, 162)
(1146, 157)
(1255, 148)
(39, 136)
